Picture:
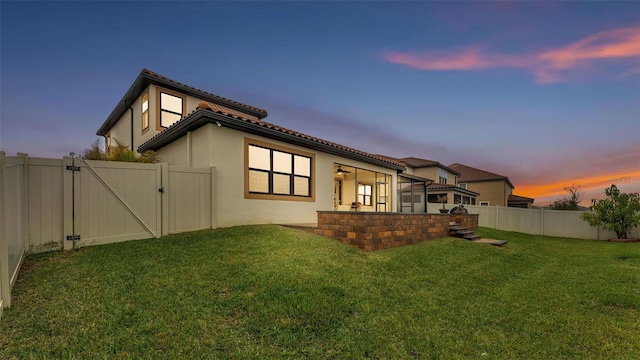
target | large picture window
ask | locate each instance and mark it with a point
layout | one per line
(274, 172)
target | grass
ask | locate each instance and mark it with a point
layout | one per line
(272, 292)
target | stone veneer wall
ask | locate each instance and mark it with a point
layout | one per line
(375, 231)
(469, 221)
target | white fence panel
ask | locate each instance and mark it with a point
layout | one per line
(45, 205)
(190, 202)
(14, 193)
(521, 220)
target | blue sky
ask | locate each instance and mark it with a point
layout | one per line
(547, 93)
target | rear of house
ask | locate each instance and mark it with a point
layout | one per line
(265, 173)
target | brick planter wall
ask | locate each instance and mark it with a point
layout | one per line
(375, 231)
(467, 220)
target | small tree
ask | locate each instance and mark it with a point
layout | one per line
(619, 212)
(568, 203)
(119, 152)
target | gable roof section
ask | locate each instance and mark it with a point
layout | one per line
(436, 186)
(210, 113)
(414, 162)
(147, 77)
(518, 198)
(470, 174)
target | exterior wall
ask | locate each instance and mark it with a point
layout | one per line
(432, 173)
(224, 149)
(122, 129)
(469, 221)
(496, 192)
(377, 231)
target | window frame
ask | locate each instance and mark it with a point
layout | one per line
(270, 195)
(159, 92)
(442, 174)
(462, 185)
(364, 195)
(143, 112)
(484, 203)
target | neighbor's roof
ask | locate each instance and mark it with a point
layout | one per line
(518, 198)
(436, 186)
(414, 162)
(211, 113)
(470, 174)
(147, 77)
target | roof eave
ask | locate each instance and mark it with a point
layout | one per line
(143, 80)
(202, 117)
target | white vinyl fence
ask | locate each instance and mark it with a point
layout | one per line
(536, 221)
(54, 204)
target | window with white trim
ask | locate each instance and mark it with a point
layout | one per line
(484, 203)
(462, 185)
(442, 176)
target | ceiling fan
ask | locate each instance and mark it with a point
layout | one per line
(340, 171)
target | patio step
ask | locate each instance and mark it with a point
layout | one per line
(457, 228)
(471, 236)
(464, 232)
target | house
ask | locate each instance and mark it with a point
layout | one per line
(264, 173)
(445, 185)
(493, 189)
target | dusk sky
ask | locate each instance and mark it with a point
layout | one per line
(546, 93)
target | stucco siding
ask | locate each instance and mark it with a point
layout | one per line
(496, 192)
(226, 152)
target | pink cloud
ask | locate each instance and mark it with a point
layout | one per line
(547, 66)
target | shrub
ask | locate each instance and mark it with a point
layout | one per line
(619, 212)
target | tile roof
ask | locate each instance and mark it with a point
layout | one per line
(415, 162)
(147, 77)
(161, 77)
(470, 174)
(206, 106)
(436, 186)
(518, 198)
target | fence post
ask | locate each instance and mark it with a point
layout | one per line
(67, 203)
(164, 203)
(214, 199)
(5, 281)
(25, 200)
(541, 221)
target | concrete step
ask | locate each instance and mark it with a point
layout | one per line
(464, 232)
(457, 228)
(471, 236)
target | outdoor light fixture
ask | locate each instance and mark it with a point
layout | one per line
(218, 123)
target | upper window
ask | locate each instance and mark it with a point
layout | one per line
(484, 203)
(275, 172)
(171, 106)
(170, 109)
(364, 194)
(145, 112)
(463, 185)
(442, 176)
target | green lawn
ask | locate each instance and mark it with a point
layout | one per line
(270, 292)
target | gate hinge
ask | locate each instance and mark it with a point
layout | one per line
(73, 168)
(73, 237)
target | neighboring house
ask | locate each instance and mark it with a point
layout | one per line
(264, 173)
(493, 189)
(444, 183)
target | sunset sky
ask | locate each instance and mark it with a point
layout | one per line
(546, 93)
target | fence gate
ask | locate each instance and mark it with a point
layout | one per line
(108, 201)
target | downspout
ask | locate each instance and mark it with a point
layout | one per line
(131, 113)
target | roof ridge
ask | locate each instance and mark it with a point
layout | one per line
(159, 76)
